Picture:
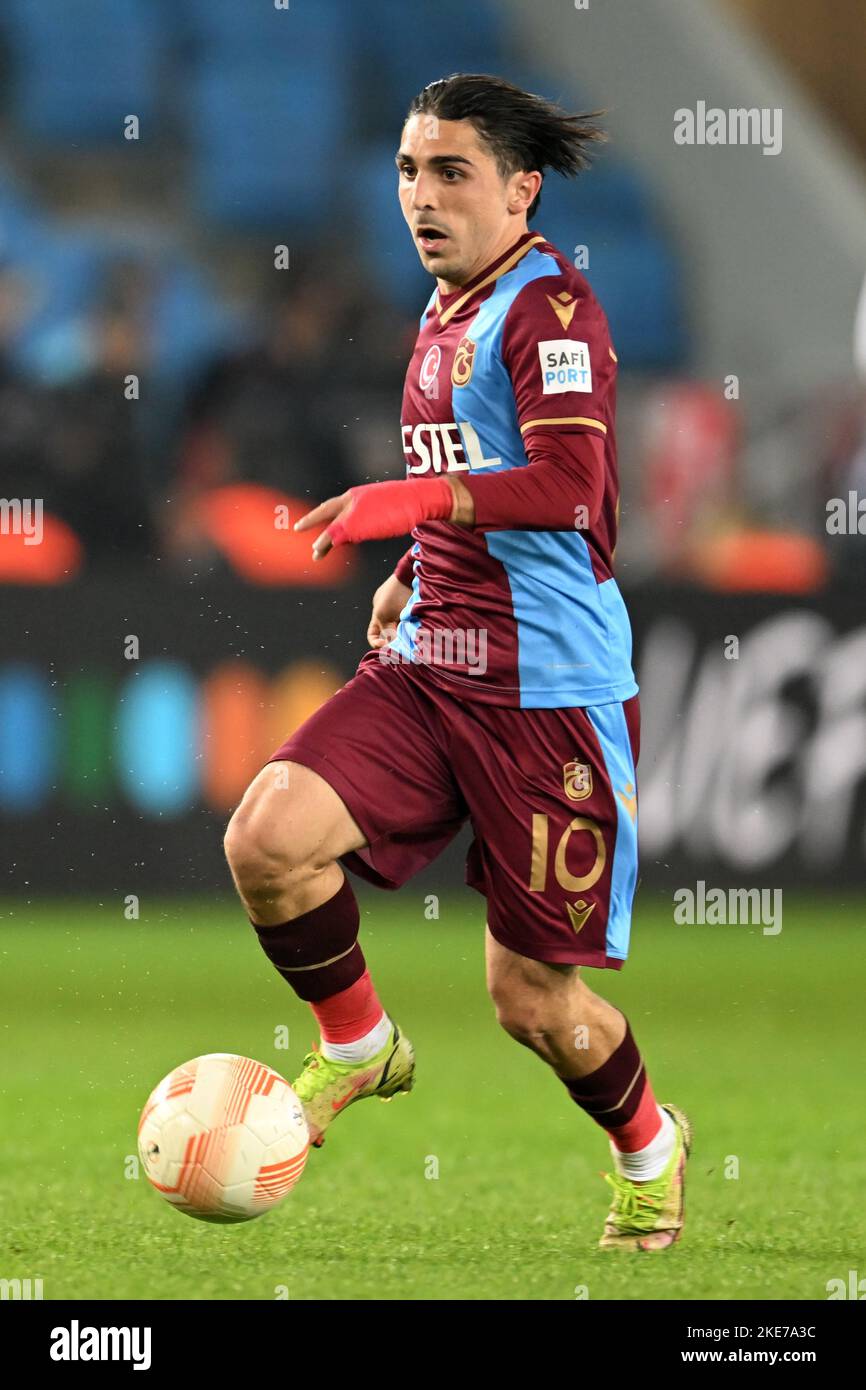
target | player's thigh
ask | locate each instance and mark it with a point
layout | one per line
(511, 972)
(290, 815)
(554, 806)
(380, 780)
(528, 993)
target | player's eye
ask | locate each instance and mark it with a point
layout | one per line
(406, 170)
(449, 170)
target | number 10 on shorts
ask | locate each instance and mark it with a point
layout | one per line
(572, 883)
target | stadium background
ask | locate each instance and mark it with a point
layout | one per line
(207, 298)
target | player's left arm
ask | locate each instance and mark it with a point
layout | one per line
(556, 349)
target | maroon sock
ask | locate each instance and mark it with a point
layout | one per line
(318, 953)
(612, 1094)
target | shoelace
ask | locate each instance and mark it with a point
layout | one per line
(317, 1072)
(639, 1206)
(314, 1075)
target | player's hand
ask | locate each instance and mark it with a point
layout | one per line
(377, 511)
(323, 515)
(389, 601)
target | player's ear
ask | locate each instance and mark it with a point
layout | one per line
(525, 188)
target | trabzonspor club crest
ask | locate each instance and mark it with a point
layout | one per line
(461, 370)
(577, 781)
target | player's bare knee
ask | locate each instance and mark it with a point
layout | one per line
(530, 1002)
(524, 1026)
(520, 1011)
(262, 860)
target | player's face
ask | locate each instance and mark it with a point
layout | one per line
(462, 214)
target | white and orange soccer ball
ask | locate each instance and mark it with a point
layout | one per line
(223, 1138)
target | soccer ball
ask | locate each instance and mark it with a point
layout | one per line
(223, 1138)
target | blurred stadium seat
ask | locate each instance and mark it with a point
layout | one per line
(226, 31)
(264, 138)
(397, 51)
(84, 65)
(389, 252)
(189, 322)
(60, 273)
(20, 221)
(611, 191)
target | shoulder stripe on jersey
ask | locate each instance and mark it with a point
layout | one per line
(565, 420)
(488, 280)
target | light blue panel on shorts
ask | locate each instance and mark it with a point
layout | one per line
(610, 725)
(407, 626)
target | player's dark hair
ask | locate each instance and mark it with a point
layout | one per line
(524, 132)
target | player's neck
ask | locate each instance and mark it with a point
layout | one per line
(489, 257)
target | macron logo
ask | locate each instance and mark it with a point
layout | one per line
(77, 1343)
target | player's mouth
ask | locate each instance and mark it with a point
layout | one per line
(431, 238)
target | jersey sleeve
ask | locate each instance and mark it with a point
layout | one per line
(557, 351)
(564, 474)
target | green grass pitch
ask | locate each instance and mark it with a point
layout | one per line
(758, 1038)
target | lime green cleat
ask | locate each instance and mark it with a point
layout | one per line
(326, 1088)
(649, 1215)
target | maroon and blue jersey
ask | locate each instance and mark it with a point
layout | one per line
(522, 617)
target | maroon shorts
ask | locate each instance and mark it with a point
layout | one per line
(551, 795)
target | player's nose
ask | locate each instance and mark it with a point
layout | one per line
(422, 193)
